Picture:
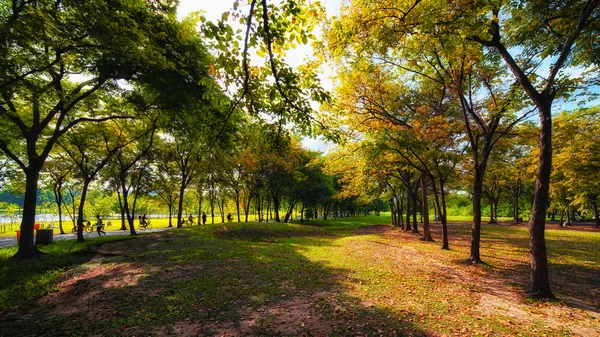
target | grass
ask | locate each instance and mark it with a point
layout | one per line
(346, 276)
(115, 224)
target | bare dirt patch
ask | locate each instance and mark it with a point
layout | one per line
(296, 316)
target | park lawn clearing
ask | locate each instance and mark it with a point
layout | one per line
(350, 276)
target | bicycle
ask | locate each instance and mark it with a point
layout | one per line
(187, 223)
(144, 226)
(87, 227)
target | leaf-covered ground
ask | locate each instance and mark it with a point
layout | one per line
(339, 277)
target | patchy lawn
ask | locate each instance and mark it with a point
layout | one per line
(353, 276)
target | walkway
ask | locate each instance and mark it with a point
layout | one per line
(12, 241)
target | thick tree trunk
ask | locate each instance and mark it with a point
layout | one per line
(276, 206)
(595, 209)
(426, 232)
(475, 256)
(27, 248)
(540, 282)
(122, 211)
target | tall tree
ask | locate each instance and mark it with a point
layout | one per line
(90, 149)
(47, 47)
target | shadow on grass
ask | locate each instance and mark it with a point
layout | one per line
(209, 281)
(573, 261)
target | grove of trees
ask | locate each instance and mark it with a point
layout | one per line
(117, 104)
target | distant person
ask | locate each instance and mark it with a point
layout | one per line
(144, 219)
(203, 218)
(229, 217)
(191, 219)
(99, 225)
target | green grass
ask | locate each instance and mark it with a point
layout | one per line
(334, 277)
(114, 226)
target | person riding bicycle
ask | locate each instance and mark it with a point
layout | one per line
(143, 221)
(191, 219)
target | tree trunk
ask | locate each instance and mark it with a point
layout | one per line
(540, 282)
(476, 227)
(393, 211)
(27, 248)
(180, 203)
(247, 207)
(84, 191)
(491, 210)
(276, 206)
(426, 232)
(222, 209)
(414, 205)
(290, 211)
(121, 210)
(408, 208)
(399, 206)
(200, 197)
(443, 219)
(237, 204)
(516, 206)
(595, 209)
(258, 208)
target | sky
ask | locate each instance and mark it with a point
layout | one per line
(213, 10)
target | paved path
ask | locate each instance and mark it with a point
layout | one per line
(12, 241)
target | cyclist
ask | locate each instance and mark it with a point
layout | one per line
(142, 219)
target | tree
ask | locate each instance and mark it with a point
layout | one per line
(577, 160)
(90, 149)
(558, 32)
(58, 169)
(45, 44)
(129, 166)
(165, 179)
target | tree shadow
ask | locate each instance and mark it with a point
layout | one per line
(189, 283)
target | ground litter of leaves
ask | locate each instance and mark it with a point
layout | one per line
(303, 280)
